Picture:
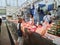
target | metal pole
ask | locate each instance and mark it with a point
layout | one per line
(6, 2)
(1, 2)
(17, 3)
(55, 8)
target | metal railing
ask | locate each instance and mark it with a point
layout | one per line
(13, 30)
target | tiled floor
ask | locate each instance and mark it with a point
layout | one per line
(4, 38)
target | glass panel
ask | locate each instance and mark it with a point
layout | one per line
(20, 2)
(2, 3)
(11, 2)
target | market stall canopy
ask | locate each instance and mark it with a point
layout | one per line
(46, 5)
(50, 7)
(42, 5)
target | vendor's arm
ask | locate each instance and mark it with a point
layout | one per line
(41, 31)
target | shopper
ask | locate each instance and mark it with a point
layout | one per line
(0, 23)
(47, 18)
(19, 31)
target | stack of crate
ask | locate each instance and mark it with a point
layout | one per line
(55, 29)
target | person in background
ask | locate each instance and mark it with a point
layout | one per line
(31, 19)
(41, 14)
(0, 23)
(19, 31)
(47, 18)
(36, 17)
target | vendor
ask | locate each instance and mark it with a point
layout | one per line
(47, 17)
(43, 28)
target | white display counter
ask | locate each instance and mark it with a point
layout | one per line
(55, 39)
